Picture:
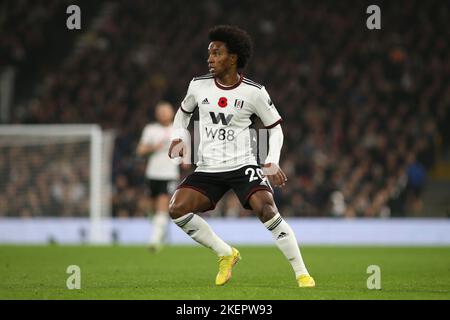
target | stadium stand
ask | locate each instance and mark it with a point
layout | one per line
(366, 113)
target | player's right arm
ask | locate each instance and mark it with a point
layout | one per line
(180, 124)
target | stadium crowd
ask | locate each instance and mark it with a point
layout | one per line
(49, 179)
(365, 112)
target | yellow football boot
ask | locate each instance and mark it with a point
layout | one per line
(226, 264)
(306, 281)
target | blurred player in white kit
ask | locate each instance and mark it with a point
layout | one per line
(161, 174)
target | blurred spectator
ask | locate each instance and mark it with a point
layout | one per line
(416, 181)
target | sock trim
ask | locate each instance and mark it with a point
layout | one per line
(271, 220)
(275, 224)
(182, 222)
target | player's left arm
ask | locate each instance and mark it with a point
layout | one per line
(271, 166)
(267, 112)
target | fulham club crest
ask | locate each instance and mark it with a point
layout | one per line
(238, 103)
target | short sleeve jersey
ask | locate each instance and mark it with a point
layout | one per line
(224, 120)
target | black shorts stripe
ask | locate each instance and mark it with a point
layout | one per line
(275, 224)
(184, 221)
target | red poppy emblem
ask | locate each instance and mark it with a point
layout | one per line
(223, 102)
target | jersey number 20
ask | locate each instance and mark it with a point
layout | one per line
(251, 172)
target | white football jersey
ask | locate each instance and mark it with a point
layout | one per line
(224, 121)
(159, 166)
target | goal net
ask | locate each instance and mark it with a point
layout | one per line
(56, 171)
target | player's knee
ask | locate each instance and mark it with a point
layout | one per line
(177, 209)
(267, 212)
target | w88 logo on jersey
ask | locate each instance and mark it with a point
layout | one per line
(220, 134)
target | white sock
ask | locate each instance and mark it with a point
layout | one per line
(199, 230)
(285, 239)
(159, 222)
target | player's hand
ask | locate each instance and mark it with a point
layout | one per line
(276, 176)
(176, 149)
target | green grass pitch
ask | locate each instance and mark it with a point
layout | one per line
(188, 272)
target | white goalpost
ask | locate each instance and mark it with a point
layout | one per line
(57, 171)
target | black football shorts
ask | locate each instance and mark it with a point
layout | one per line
(244, 182)
(158, 187)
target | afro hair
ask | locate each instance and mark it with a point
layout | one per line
(236, 40)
